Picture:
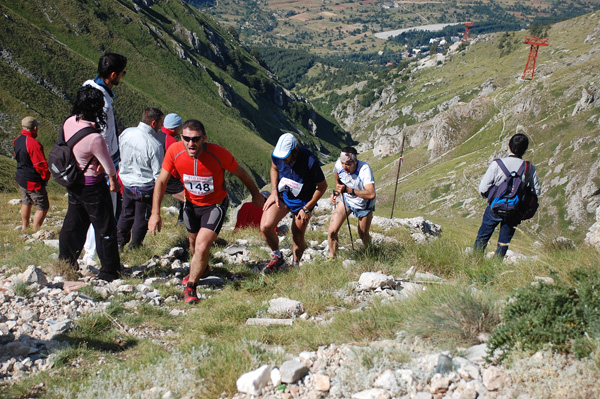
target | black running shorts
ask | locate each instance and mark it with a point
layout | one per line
(209, 217)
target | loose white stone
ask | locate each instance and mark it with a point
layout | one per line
(494, 378)
(373, 393)
(275, 377)
(370, 280)
(269, 322)
(407, 376)
(423, 395)
(253, 382)
(387, 380)
(464, 391)
(466, 370)
(477, 353)
(307, 357)
(285, 307)
(439, 384)
(292, 371)
(322, 383)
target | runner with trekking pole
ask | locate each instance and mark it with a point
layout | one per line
(355, 182)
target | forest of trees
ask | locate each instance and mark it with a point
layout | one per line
(289, 65)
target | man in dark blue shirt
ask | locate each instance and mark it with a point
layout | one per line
(297, 183)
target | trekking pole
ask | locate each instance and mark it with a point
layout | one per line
(347, 216)
(400, 161)
(348, 221)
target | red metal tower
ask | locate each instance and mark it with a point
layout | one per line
(468, 25)
(535, 43)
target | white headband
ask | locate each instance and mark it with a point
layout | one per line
(346, 157)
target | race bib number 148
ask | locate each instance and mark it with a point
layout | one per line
(199, 185)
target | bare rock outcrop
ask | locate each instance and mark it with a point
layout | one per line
(593, 235)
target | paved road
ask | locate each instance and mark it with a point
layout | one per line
(431, 28)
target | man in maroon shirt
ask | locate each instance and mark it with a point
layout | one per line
(32, 173)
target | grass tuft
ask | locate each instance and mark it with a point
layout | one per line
(62, 268)
(450, 314)
(91, 292)
(22, 289)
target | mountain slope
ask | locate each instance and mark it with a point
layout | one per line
(179, 61)
(458, 113)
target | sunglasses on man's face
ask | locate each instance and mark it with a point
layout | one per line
(192, 139)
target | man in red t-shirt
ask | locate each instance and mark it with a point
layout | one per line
(201, 168)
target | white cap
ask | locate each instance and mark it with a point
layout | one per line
(286, 143)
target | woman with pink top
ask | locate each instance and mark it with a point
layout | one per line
(90, 201)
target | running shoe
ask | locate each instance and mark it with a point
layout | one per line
(274, 265)
(206, 273)
(189, 295)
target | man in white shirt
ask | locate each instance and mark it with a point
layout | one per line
(141, 160)
(356, 186)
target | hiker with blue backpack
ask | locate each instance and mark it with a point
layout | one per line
(511, 187)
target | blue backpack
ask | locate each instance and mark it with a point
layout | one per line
(515, 196)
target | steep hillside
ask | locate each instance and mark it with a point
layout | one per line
(179, 60)
(458, 111)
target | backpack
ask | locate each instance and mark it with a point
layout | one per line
(515, 196)
(62, 162)
(529, 203)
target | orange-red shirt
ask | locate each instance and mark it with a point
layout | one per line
(202, 177)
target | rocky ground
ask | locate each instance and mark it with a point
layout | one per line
(340, 372)
(34, 312)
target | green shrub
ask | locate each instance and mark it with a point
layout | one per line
(564, 316)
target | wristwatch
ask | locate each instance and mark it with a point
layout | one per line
(352, 192)
(307, 211)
